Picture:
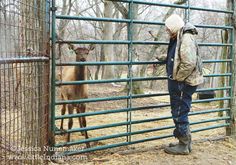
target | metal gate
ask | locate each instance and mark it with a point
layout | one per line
(128, 134)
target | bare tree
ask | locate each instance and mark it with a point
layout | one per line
(161, 31)
(108, 71)
(66, 10)
(136, 86)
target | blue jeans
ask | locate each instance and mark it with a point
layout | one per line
(180, 100)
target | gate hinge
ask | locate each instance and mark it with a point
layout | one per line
(53, 8)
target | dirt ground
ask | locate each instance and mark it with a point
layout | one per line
(210, 147)
(221, 152)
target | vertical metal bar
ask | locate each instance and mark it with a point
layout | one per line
(230, 129)
(130, 71)
(53, 65)
(233, 67)
(187, 11)
(1, 110)
(5, 110)
(46, 114)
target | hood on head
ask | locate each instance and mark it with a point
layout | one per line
(174, 23)
(188, 27)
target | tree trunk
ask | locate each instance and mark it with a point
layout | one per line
(108, 71)
(231, 130)
(222, 80)
(136, 86)
(118, 49)
(66, 9)
(102, 58)
(98, 67)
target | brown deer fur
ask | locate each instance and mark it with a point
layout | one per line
(75, 92)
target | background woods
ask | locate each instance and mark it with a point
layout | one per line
(90, 30)
(93, 37)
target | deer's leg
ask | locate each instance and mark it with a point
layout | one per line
(70, 123)
(83, 122)
(80, 118)
(63, 111)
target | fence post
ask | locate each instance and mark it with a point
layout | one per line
(231, 130)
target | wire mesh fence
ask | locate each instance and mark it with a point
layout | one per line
(24, 81)
(116, 115)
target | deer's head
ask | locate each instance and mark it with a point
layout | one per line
(81, 52)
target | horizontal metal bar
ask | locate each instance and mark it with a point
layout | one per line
(23, 60)
(154, 3)
(214, 26)
(176, 6)
(214, 44)
(135, 142)
(170, 117)
(109, 20)
(209, 100)
(125, 134)
(124, 97)
(91, 139)
(218, 75)
(111, 111)
(150, 95)
(128, 62)
(113, 42)
(208, 111)
(210, 10)
(59, 83)
(210, 127)
(67, 17)
(109, 63)
(132, 133)
(133, 42)
(59, 132)
(217, 61)
(134, 108)
(94, 41)
(91, 100)
(116, 111)
(213, 89)
(132, 122)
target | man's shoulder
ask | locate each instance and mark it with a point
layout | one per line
(188, 37)
(188, 40)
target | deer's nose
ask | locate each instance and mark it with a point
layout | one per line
(82, 59)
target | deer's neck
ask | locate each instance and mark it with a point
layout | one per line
(81, 72)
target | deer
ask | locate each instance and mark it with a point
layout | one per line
(75, 92)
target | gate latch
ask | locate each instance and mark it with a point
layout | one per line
(53, 8)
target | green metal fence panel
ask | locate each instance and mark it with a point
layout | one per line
(128, 130)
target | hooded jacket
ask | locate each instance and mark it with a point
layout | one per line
(187, 60)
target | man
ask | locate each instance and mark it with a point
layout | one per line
(184, 71)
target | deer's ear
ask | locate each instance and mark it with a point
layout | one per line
(91, 47)
(72, 47)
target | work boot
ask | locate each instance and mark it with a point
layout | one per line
(189, 144)
(180, 149)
